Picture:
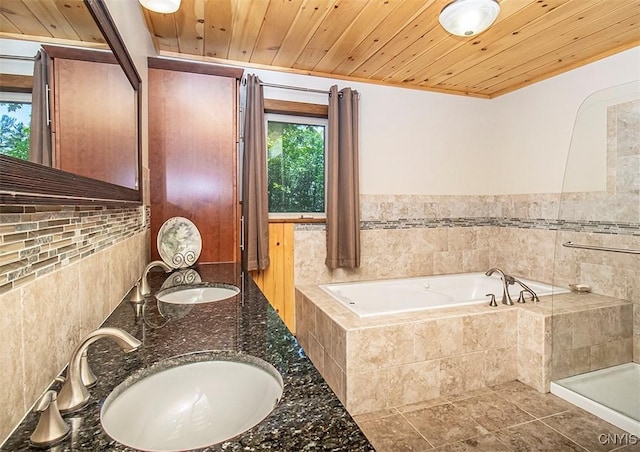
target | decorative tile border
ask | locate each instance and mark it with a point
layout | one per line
(35, 240)
(598, 227)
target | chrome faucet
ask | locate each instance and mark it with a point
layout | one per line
(74, 394)
(145, 289)
(51, 427)
(534, 296)
(506, 282)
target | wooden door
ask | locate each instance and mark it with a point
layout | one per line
(193, 158)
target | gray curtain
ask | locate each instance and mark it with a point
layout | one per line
(343, 192)
(40, 133)
(255, 207)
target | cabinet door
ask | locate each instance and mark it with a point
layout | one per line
(95, 121)
(193, 158)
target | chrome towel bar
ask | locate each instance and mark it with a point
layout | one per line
(601, 248)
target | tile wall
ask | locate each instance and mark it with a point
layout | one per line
(411, 235)
(62, 270)
(383, 362)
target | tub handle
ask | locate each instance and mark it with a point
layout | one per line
(521, 297)
(492, 302)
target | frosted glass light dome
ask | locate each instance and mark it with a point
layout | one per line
(161, 6)
(469, 17)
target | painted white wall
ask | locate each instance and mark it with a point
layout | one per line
(17, 48)
(411, 142)
(532, 127)
(416, 142)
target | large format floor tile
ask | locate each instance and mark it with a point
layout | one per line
(507, 417)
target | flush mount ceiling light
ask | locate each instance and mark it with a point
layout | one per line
(469, 17)
(161, 6)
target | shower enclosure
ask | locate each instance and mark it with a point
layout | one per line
(595, 360)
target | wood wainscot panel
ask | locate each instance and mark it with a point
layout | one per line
(276, 282)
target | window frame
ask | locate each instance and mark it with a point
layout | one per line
(293, 118)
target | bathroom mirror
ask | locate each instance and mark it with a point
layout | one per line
(23, 182)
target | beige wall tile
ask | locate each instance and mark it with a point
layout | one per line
(462, 373)
(438, 338)
(60, 307)
(315, 351)
(562, 332)
(12, 377)
(501, 366)
(338, 349)
(413, 383)
(462, 239)
(530, 369)
(490, 331)
(611, 354)
(335, 377)
(368, 391)
(52, 319)
(94, 280)
(323, 330)
(447, 262)
(567, 363)
(375, 348)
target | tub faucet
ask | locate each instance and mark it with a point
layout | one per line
(506, 282)
(74, 394)
(145, 289)
(534, 296)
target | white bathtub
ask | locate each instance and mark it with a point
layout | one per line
(393, 296)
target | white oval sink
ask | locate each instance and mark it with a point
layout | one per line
(194, 294)
(211, 398)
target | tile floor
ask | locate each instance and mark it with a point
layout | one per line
(507, 417)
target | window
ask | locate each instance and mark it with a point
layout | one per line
(296, 166)
(15, 123)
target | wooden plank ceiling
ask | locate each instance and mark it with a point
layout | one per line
(66, 22)
(400, 42)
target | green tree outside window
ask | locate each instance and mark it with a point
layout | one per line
(295, 167)
(14, 134)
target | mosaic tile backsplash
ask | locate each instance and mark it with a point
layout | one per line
(36, 240)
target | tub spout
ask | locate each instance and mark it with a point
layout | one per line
(506, 282)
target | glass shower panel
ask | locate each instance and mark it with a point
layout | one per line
(596, 328)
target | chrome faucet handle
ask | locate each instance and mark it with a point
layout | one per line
(51, 427)
(521, 297)
(136, 295)
(534, 296)
(492, 302)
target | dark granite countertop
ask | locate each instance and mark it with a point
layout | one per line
(309, 416)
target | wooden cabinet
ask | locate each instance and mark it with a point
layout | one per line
(193, 158)
(94, 116)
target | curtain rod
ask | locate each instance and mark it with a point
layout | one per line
(16, 57)
(295, 88)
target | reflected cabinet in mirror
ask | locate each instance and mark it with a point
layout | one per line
(83, 143)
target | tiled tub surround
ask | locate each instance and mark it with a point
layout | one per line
(308, 417)
(525, 247)
(77, 264)
(396, 360)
